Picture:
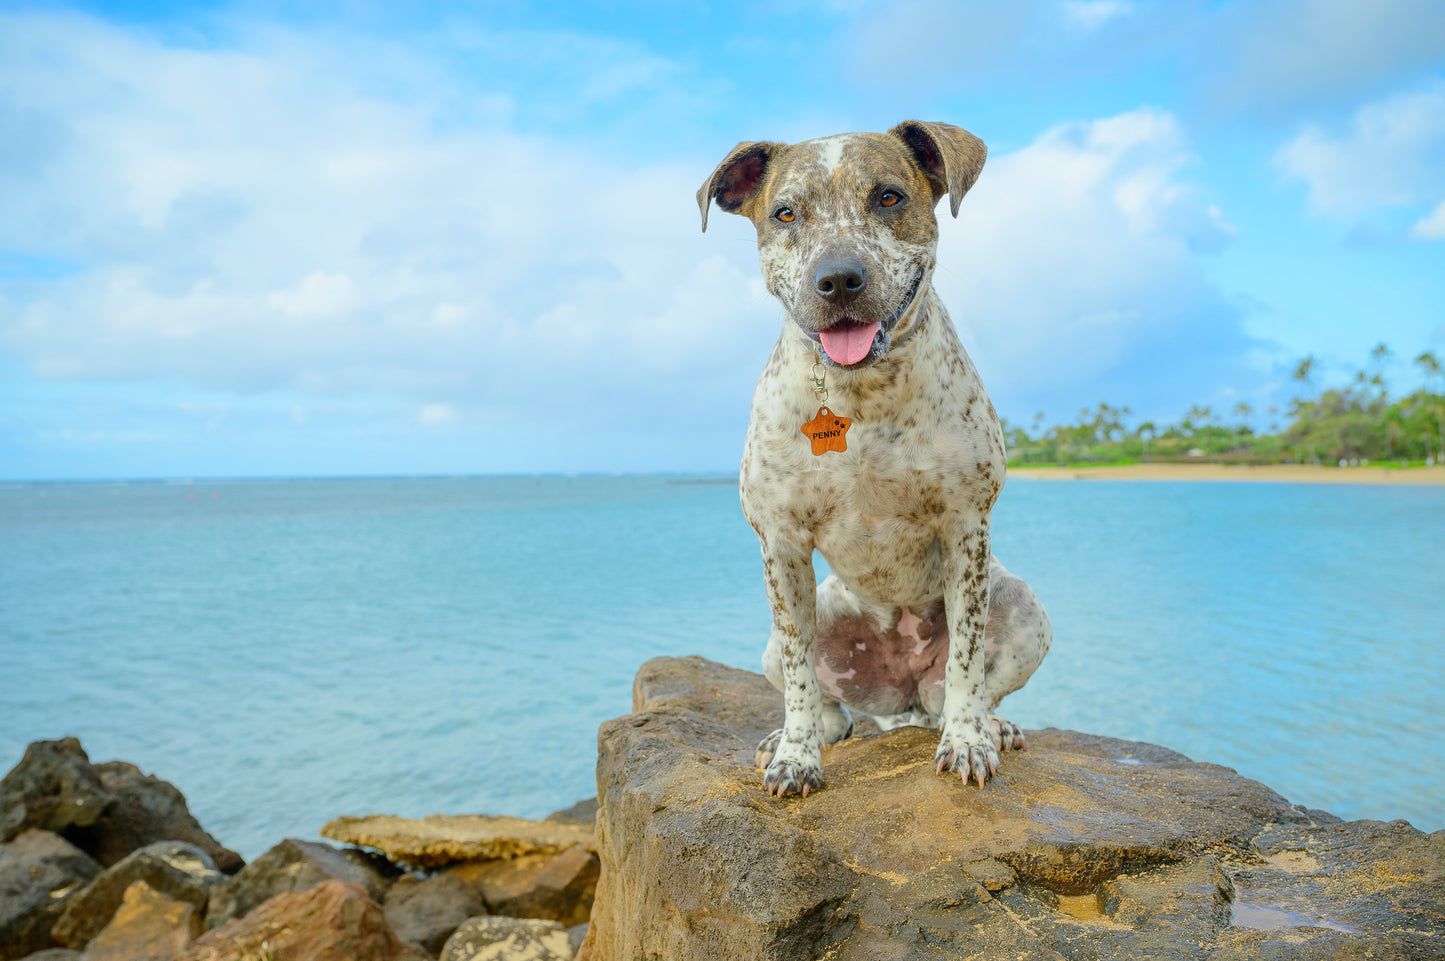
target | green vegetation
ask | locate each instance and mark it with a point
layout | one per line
(1357, 422)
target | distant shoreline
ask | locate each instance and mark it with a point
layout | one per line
(1267, 473)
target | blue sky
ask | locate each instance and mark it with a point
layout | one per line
(240, 240)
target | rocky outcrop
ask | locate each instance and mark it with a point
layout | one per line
(440, 840)
(1083, 847)
(39, 871)
(107, 810)
(508, 939)
(331, 921)
(173, 868)
(292, 865)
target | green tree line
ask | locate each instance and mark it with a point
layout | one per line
(1357, 422)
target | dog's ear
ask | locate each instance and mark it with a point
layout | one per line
(736, 178)
(949, 156)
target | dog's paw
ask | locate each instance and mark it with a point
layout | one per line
(970, 753)
(767, 747)
(792, 777)
(1007, 736)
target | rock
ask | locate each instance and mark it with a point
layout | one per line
(331, 921)
(583, 814)
(292, 865)
(174, 868)
(1083, 847)
(146, 810)
(577, 934)
(147, 925)
(439, 840)
(427, 911)
(554, 887)
(107, 810)
(38, 872)
(52, 788)
(55, 954)
(508, 939)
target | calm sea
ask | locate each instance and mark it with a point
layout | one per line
(290, 651)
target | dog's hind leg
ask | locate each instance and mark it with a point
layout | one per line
(1016, 638)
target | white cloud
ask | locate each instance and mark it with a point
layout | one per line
(1392, 154)
(1092, 14)
(1078, 256)
(1431, 227)
(261, 219)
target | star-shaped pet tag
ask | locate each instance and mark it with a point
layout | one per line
(827, 431)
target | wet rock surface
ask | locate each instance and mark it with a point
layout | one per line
(1083, 847)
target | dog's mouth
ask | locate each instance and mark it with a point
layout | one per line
(849, 342)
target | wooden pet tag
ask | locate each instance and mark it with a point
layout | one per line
(827, 431)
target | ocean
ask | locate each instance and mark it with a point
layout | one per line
(288, 651)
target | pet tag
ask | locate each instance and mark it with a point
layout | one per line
(827, 431)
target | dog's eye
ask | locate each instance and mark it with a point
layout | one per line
(890, 198)
(786, 215)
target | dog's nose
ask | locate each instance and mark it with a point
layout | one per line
(839, 279)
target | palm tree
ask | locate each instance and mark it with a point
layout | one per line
(1429, 364)
(1304, 370)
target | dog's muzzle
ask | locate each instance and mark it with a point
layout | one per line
(852, 342)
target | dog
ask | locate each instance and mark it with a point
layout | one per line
(894, 478)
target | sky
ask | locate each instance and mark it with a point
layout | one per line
(274, 239)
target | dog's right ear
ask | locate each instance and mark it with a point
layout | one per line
(737, 178)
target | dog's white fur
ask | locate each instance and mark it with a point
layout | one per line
(918, 622)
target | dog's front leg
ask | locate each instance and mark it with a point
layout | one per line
(797, 765)
(967, 743)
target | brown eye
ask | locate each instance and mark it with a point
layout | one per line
(786, 215)
(890, 198)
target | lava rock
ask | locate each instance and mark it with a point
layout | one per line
(147, 925)
(330, 921)
(39, 871)
(426, 911)
(173, 868)
(292, 865)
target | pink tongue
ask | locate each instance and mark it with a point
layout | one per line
(848, 343)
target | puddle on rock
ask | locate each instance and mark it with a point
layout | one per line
(1264, 918)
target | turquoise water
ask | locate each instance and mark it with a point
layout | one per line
(289, 651)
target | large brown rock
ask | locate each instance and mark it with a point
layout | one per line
(292, 865)
(439, 840)
(107, 810)
(148, 924)
(331, 921)
(39, 871)
(173, 868)
(1083, 847)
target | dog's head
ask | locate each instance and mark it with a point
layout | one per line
(846, 232)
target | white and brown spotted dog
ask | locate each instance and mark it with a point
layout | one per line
(918, 623)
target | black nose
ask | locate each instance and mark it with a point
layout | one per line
(839, 279)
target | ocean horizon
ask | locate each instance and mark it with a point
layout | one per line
(290, 650)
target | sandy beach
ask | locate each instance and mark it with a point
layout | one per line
(1275, 473)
